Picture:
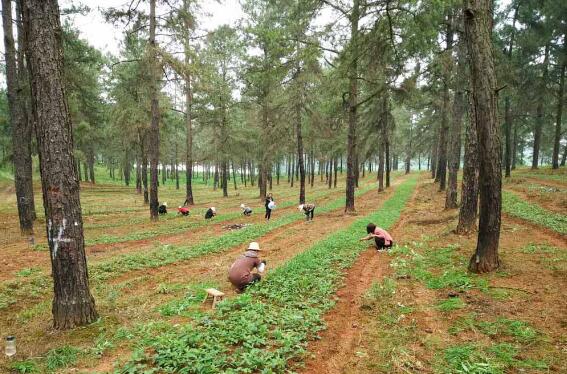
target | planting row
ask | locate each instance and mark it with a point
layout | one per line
(517, 207)
(38, 283)
(266, 329)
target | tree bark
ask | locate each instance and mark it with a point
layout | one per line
(16, 80)
(153, 143)
(558, 116)
(380, 175)
(73, 304)
(144, 166)
(478, 33)
(508, 124)
(454, 150)
(300, 161)
(441, 174)
(352, 164)
(540, 112)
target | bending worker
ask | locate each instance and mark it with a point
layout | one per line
(210, 213)
(240, 273)
(246, 210)
(308, 210)
(381, 237)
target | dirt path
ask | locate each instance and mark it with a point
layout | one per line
(343, 333)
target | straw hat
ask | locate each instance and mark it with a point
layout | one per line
(242, 205)
(300, 207)
(254, 246)
(164, 204)
(213, 209)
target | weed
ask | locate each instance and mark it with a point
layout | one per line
(62, 357)
(24, 367)
(451, 304)
(27, 272)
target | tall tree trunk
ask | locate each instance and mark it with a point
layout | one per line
(138, 177)
(469, 190)
(330, 181)
(433, 163)
(380, 175)
(507, 107)
(300, 161)
(478, 33)
(352, 164)
(224, 178)
(441, 174)
(144, 166)
(540, 111)
(514, 147)
(234, 175)
(91, 164)
(16, 80)
(335, 164)
(454, 149)
(153, 143)
(73, 304)
(564, 157)
(560, 90)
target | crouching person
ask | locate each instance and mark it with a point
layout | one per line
(184, 211)
(240, 273)
(210, 213)
(308, 210)
(162, 209)
(246, 210)
(381, 237)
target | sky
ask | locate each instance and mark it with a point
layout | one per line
(107, 37)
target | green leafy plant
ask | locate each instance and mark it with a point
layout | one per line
(266, 328)
(62, 357)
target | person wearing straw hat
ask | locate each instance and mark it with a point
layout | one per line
(211, 212)
(308, 210)
(246, 210)
(240, 272)
(162, 209)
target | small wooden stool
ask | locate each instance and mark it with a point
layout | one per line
(216, 294)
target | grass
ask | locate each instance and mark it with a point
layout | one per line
(61, 357)
(262, 330)
(449, 305)
(533, 213)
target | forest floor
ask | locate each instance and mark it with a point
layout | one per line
(417, 309)
(413, 309)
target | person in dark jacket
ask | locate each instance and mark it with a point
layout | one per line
(246, 210)
(162, 209)
(308, 210)
(269, 200)
(240, 272)
(211, 212)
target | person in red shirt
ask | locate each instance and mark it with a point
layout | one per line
(183, 210)
(382, 238)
